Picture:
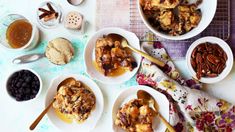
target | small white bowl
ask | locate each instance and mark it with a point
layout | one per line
(208, 9)
(131, 93)
(89, 56)
(94, 116)
(35, 73)
(224, 46)
(6, 21)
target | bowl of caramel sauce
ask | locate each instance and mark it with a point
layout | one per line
(18, 33)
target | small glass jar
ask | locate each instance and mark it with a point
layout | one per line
(6, 21)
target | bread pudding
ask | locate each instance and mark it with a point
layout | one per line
(176, 19)
(75, 101)
(110, 55)
(135, 116)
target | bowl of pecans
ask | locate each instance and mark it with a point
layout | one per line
(209, 59)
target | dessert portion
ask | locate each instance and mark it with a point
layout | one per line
(23, 85)
(19, 33)
(172, 17)
(208, 60)
(160, 3)
(74, 20)
(110, 56)
(135, 116)
(75, 101)
(48, 14)
(59, 51)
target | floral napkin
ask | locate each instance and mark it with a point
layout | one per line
(190, 108)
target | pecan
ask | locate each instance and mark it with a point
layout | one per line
(193, 63)
(194, 53)
(212, 75)
(225, 56)
(201, 47)
(208, 60)
(220, 68)
(198, 58)
(213, 59)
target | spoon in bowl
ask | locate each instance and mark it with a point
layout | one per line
(148, 99)
(67, 81)
(124, 43)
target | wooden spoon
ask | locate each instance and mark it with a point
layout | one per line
(148, 99)
(67, 81)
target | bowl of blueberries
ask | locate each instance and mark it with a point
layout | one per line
(23, 85)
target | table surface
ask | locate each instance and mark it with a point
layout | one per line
(18, 116)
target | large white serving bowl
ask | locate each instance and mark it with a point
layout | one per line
(89, 56)
(208, 9)
(94, 116)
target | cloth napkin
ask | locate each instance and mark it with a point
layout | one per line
(190, 108)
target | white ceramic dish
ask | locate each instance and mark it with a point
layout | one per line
(224, 46)
(208, 9)
(131, 93)
(95, 115)
(35, 73)
(89, 56)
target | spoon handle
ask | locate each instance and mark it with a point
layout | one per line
(169, 127)
(35, 123)
(28, 58)
(150, 58)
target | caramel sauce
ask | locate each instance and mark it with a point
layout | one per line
(119, 71)
(19, 33)
(63, 117)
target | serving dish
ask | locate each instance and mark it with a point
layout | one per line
(208, 9)
(224, 46)
(131, 93)
(20, 69)
(89, 56)
(94, 116)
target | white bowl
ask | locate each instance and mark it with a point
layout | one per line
(131, 93)
(94, 116)
(89, 56)
(35, 73)
(6, 21)
(224, 46)
(208, 9)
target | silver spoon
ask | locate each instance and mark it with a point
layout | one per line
(28, 58)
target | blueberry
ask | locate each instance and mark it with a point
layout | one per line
(28, 79)
(34, 91)
(18, 84)
(32, 96)
(27, 91)
(24, 85)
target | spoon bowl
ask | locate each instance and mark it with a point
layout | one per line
(148, 99)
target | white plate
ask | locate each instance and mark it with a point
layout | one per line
(95, 115)
(89, 56)
(208, 9)
(131, 93)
